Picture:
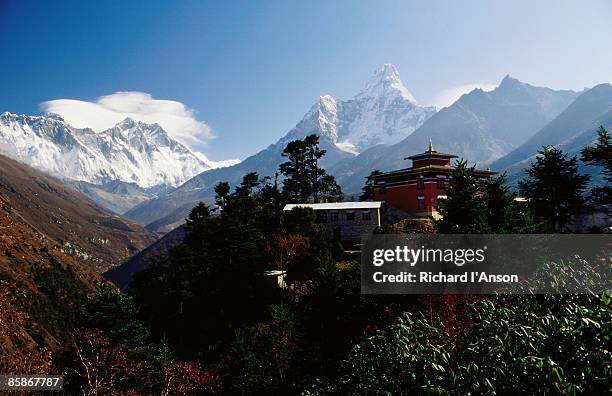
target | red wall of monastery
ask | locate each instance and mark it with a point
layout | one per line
(405, 197)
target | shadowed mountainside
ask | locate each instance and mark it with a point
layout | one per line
(573, 129)
(94, 236)
(122, 275)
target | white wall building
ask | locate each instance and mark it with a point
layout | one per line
(346, 221)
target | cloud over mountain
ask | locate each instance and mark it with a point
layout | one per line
(108, 110)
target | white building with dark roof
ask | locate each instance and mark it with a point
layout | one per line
(345, 221)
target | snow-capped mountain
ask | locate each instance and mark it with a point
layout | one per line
(131, 151)
(384, 112)
(479, 127)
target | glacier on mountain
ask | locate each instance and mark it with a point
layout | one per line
(130, 151)
(383, 112)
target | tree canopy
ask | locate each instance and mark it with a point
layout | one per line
(367, 191)
(477, 206)
(304, 181)
(554, 188)
(601, 155)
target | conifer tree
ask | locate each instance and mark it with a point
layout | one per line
(304, 181)
(272, 201)
(222, 191)
(504, 215)
(601, 155)
(297, 171)
(367, 191)
(330, 191)
(462, 211)
(313, 154)
(554, 188)
(198, 215)
(476, 206)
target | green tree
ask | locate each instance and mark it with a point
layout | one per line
(272, 201)
(554, 188)
(410, 357)
(300, 170)
(304, 180)
(222, 192)
(304, 222)
(198, 215)
(504, 214)
(263, 355)
(463, 210)
(250, 181)
(601, 155)
(216, 271)
(537, 345)
(515, 344)
(367, 191)
(117, 314)
(476, 206)
(313, 154)
(330, 191)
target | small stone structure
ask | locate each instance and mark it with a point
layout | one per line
(277, 278)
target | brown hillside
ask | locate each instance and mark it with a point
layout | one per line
(41, 288)
(53, 244)
(82, 229)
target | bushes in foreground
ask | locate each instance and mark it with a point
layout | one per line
(524, 344)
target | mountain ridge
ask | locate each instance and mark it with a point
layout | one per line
(130, 151)
(384, 110)
(480, 127)
(571, 130)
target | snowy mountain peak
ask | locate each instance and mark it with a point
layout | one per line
(388, 70)
(56, 117)
(327, 108)
(320, 119)
(384, 112)
(127, 123)
(131, 151)
(327, 101)
(386, 81)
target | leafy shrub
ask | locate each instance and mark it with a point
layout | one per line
(525, 344)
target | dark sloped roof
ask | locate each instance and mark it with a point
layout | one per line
(431, 154)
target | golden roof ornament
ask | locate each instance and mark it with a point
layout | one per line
(430, 146)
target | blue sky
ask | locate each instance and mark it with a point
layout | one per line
(250, 70)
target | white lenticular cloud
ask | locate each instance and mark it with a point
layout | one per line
(176, 118)
(450, 95)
